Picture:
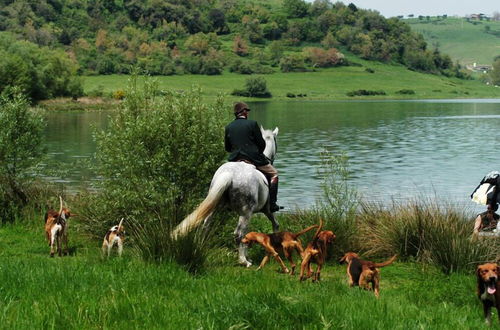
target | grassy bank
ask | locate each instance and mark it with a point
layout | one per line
(82, 291)
(327, 84)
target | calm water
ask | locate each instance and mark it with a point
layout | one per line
(397, 149)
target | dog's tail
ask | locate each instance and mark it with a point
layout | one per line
(120, 227)
(303, 231)
(386, 263)
(316, 235)
(206, 207)
(59, 214)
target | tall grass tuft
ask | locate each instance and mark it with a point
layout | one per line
(153, 242)
(340, 200)
(426, 231)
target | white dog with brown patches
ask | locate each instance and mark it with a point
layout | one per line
(115, 235)
(56, 229)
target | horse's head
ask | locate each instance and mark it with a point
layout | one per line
(271, 146)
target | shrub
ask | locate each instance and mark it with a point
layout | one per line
(192, 64)
(149, 160)
(240, 66)
(291, 95)
(257, 87)
(364, 92)
(213, 63)
(254, 87)
(119, 94)
(406, 91)
(20, 150)
(292, 63)
(370, 70)
(240, 92)
(319, 57)
(240, 46)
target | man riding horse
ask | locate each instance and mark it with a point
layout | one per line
(243, 139)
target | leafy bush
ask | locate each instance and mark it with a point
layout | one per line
(292, 63)
(364, 92)
(213, 63)
(149, 160)
(192, 64)
(254, 87)
(39, 72)
(257, 87)
(20, 150)
(119, 94)
(240, 92)
(406, 91)
(319, 57)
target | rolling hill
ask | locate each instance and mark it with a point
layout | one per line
(465, 41)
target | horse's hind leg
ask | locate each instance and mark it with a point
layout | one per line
(276, 225)
(239, 233)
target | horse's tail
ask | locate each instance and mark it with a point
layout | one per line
(205, 208)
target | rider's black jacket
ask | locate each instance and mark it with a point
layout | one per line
(243, 139)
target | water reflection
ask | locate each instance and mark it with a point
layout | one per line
(397, 149)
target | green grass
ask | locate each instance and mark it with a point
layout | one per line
(328, 84)
(462, 40)
(83, 291)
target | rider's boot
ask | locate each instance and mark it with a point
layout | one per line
(273, 195)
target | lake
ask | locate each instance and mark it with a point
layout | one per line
(397, 150)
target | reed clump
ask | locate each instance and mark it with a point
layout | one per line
(425, 231)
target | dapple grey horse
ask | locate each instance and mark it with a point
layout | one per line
(241, 186)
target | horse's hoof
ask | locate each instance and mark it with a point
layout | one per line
(245, 264)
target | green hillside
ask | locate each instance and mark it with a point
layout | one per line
(465, 41)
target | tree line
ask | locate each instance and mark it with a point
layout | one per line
(165, 37)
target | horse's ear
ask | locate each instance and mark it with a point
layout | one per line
(262, 128)
(275, 132)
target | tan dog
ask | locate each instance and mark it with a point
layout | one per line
(115, 235)
(316, 252)
(488, 288)
(362, 272)
(56, 228)
(282, 241)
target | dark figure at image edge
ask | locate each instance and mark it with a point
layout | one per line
(243, 139)
(487, 221)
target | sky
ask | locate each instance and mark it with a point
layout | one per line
(389, 8)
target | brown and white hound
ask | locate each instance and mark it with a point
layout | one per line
(115, 235)
(56, 228)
